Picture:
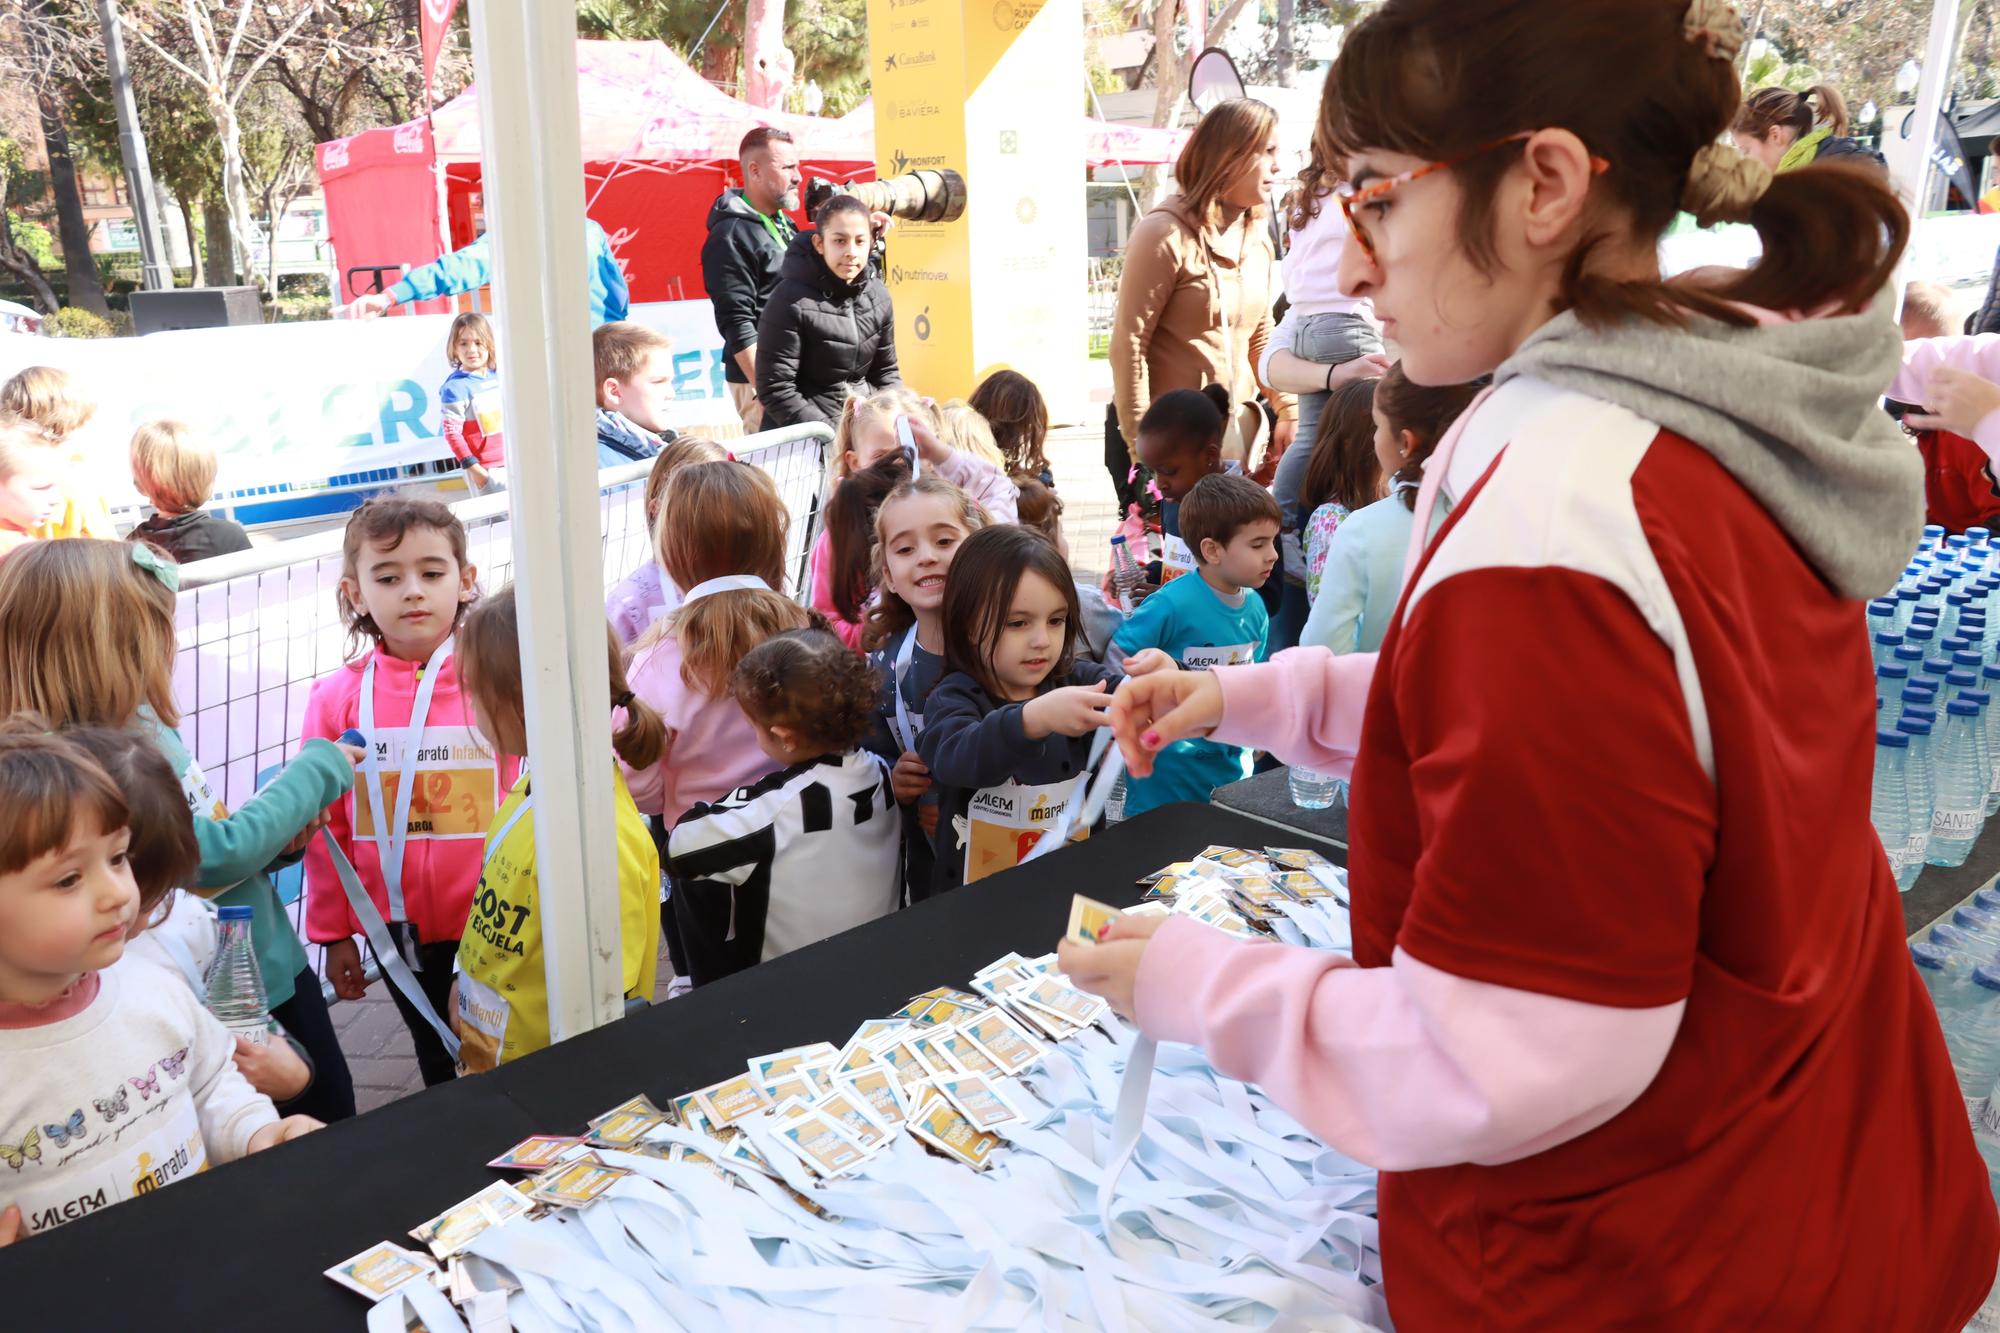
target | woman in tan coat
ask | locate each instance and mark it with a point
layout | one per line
(1194, 302)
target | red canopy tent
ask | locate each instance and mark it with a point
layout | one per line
(659, 144)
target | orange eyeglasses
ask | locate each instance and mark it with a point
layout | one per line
(1352, 201)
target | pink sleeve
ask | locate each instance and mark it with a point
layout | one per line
(1401, 1067)
(654, 676)
(819, 566)
(1977, 354)
(1304, 706)
(328, 916)
(984, 483)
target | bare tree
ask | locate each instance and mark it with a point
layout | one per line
(1170, 73)
(219, 52)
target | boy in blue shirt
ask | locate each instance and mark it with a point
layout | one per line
(1230, 525)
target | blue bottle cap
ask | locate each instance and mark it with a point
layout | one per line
(1957, 643)
(1948, 936)
(1892, 671)
(1924, 615)
(1962, 708)
(1921, 627)
(1965, 682)
(1881, 606)
(1932, 530)
(1907, 594)
(1957, 542)
(1926, 954)
(1918, 713)
(1978, 534)
(1119, 540)
(1892, 739)
(1958, 598)
(232, 913)
(1937, 666)
(1967, 661)
(1986, 900)
(1987, 975)
(1927, 686)
(1914, 726)
(352, 736)
(1909, 652)
(1971, 918)
(1888, 638)
(1991, 671)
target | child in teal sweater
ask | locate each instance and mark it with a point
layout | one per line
(1230, 525)
(87, 638)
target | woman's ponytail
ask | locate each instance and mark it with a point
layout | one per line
(1829, 108)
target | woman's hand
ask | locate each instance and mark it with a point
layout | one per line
(1152, 711)
(343, 969)
(1958, 400)
(1073, 710)
(272, 1067)
(291, 1127)
(1111, 967)
(909, 779)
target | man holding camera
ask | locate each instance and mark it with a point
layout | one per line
(748, 233)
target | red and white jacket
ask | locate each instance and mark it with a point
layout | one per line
(1630, 1026)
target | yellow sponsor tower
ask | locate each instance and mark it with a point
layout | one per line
(992, 88)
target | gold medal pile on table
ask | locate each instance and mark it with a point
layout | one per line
(941, 1068)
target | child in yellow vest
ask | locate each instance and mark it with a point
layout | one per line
(500, 1006)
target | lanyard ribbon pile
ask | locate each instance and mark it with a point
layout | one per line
(1198, 1204)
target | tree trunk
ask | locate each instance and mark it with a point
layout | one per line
(1172, 75)
(193, 243)
(235, 192)
(1286, 51)
(767, 65)
(23, 266)
(86, 289)
(217, 243)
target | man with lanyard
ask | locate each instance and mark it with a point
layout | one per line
(748, 232)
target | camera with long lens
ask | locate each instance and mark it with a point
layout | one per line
(924, 195)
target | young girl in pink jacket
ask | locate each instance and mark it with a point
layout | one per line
(1630, 1026)
(405, 581)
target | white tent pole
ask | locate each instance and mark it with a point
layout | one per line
(533, 178)
(1931, 89)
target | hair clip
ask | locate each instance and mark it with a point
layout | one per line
(1715, 27)
(161, 568)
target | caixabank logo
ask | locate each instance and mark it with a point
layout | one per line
(908, 60)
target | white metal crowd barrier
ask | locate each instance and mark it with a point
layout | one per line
(256, 629)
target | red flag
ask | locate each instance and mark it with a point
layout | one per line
(434, 21)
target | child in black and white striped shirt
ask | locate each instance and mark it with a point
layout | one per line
(808, 851)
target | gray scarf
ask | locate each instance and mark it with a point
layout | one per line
(1793, 411)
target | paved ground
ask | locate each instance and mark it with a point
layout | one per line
(378, 1047)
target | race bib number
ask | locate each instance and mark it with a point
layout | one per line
(1004, 824)
(1176, 559)
(482, 1025)
(129, 1144)
(1232, 654)
(200, 794)
(455, 793)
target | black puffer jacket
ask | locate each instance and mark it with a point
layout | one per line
(821, 338)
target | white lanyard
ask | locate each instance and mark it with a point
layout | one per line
(398, 833)
(727, 583)
(905, 733)
(499, 838)
(1093, 800)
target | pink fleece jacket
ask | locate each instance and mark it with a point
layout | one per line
(1401, 1067)
(975, 476)
(711, 746)
(439, 874)
(1977, 353)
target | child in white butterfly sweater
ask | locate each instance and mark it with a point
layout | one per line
(114, 1080)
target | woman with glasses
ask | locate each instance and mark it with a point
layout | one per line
(1630, 1027)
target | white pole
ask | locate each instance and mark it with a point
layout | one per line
(1931, 88)
(524, 55)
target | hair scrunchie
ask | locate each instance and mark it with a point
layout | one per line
(1715, 27)
(623, 701)
(1723, 185)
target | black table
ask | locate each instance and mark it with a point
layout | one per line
(1268, 797)
(244, 1246)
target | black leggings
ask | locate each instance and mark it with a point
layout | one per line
(330, 1095)
(434, 1062)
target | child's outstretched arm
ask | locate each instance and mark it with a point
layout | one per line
(260, 830)
(964, 745)
(230, 1110)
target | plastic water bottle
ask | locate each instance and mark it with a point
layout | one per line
(1922, 633)
(1881, 616)
(1889, 802)
(1947, 936)
(1979, 928)
(1312, 790)
(1126, 577)
(1983, 701)
(1886, 644)
(1891, 678)
(1960, 805)
(1922, 795)
(1935, 669)
(1906, 602)
(1910, 658)
(236, 992)
(1970, 1016)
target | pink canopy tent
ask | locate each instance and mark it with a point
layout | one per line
(659, 144)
